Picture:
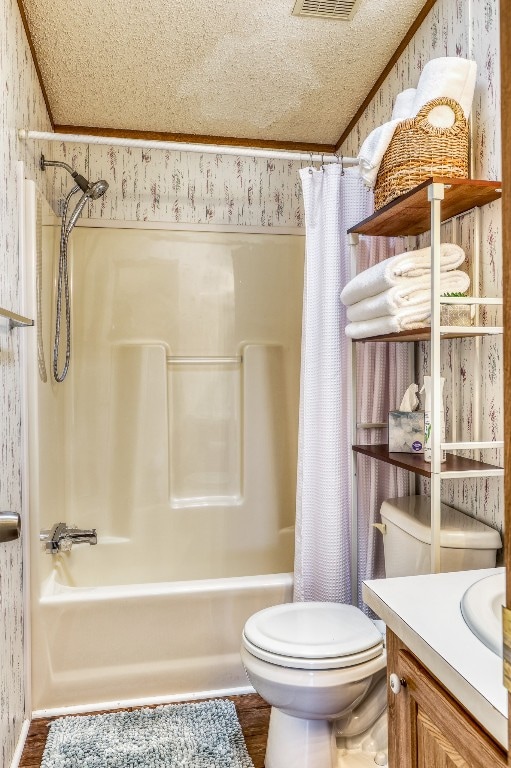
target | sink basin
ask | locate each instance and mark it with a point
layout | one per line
(481, 606)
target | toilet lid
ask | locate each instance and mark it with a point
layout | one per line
(314, 631)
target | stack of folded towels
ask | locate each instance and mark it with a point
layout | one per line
(395, 294)
(447, 76)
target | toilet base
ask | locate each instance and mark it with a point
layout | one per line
(300, 743)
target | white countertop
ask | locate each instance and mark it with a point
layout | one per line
(424, 611)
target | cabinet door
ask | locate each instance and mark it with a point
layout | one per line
(427, 727)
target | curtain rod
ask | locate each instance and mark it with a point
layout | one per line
(209, 149)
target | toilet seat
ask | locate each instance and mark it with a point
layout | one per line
(312, 636)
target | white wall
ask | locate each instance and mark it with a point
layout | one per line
(466, 28)
(21, 105)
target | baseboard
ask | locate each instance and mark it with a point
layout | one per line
(21, 744)
(101, 706)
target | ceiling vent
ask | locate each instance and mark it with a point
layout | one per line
(326, 9)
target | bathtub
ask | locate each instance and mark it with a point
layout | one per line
(139, 643)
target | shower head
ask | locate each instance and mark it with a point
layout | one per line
(92, 193)
(97, 189)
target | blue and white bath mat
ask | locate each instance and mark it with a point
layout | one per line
(202, 735)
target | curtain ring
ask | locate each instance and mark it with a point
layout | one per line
(311, 169)
(322, 163)
(342, 165)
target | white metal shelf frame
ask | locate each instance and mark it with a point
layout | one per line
(436, 192)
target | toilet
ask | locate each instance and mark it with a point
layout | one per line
(322, 666)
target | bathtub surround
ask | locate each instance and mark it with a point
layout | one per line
(163, 737)
(183, 399)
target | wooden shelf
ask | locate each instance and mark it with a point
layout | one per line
(424, 334)
(415, 462)
(410, 214)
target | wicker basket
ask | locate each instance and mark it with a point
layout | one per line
(419, 150)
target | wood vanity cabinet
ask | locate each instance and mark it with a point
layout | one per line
(427, 727)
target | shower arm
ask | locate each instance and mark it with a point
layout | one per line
(79, 179)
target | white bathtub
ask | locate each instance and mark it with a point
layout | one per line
(123, 644)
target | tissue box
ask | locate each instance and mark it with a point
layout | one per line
(406, 431)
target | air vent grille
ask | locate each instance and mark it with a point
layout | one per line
(326, 9)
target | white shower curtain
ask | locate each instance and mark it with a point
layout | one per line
(333, 202)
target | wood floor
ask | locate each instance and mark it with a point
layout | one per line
(253, 714)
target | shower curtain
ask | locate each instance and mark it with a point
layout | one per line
(333, 202)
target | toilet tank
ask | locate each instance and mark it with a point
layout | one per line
(465, 543)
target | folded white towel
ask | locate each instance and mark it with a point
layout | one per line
(413, 292)
(398, 269)
(446, 76)
(408, 320)
(403, 105)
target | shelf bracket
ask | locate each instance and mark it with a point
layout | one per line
(436, 191)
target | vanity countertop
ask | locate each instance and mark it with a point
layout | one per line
(424, 611)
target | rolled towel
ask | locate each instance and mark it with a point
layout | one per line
(403, 105)
(397, 269)
(446, 76)
(407, 320)
(413, 292)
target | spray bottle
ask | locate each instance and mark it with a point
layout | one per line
(426, 388)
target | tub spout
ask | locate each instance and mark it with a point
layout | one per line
(62, 537)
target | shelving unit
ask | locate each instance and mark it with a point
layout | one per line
(424, 208)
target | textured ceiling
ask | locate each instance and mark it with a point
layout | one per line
(223, 68)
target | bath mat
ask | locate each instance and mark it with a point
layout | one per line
(202, 735)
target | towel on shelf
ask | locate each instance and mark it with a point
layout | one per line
(449, 76)
(394, 271)
(446, 76)
(413, 292)
(407, 320)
